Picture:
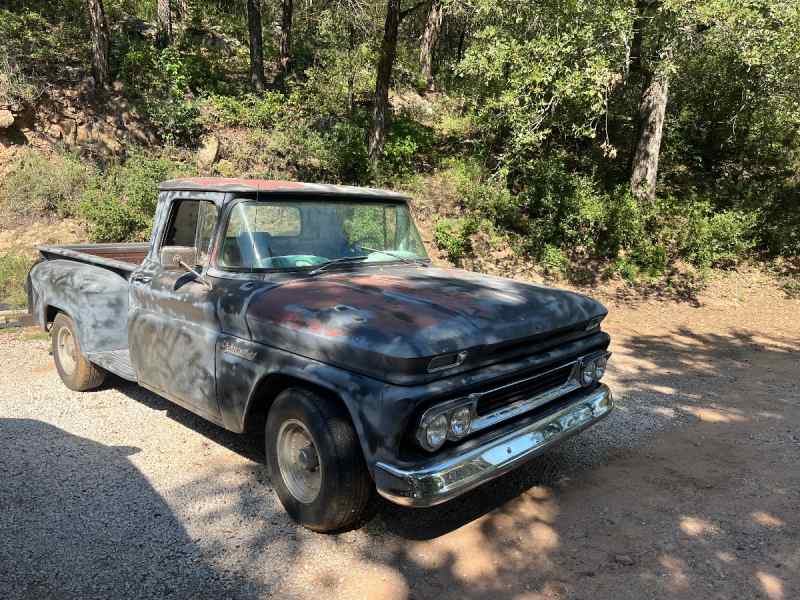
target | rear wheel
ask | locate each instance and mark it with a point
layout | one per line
(75, 370)
(315, 461)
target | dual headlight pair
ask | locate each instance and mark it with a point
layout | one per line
(593, 369)
(455, 422)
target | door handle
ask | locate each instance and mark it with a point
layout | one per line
(141, 278)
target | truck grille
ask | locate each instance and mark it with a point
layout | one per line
(523, 390)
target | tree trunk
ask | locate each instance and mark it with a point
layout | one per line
(652, 108)
(285, 41)
(256, 45)
(100, 43)
(377, 131)
(430, 38)
(461, 39)
(164, 35)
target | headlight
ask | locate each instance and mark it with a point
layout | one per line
(460, 420)
(588, 371)
(433, 433)
(439, 425)
(593, 369)
(600, 367)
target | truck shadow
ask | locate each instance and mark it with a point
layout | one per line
(79, 520)
(246, 445)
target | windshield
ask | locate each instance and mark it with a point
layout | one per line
(292, 235)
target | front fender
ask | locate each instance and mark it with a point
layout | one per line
(242, 367)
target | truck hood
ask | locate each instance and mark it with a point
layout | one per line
(389, 324)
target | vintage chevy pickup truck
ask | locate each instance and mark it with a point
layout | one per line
(312, 312)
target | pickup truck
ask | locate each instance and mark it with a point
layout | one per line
(312, 313)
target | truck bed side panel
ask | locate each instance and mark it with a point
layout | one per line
(95, 298)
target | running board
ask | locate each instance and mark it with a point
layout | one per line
(116, 361)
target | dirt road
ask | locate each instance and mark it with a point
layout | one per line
(690, 490)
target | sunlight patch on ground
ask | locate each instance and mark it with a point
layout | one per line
(772, 586)
(697, 527)
(676, 570)
(767, 520)
(714, 415)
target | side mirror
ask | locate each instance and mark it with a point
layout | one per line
(182, 258)
(173, 256)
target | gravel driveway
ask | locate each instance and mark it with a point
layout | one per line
(691, 489)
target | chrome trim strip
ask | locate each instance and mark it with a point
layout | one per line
(509, 411)
(445, 478)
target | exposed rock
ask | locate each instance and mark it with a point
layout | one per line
(624, 559)
(6, 119)
(55, 131)
(84, 134)
(208, 153)
(109, 142)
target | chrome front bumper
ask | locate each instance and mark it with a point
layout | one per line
(446, 477)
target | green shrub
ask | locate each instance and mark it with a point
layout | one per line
(161, 83)
(120, 204)
(717, 239)
(554, 260)
(407, 144)
(453, 237)
(248, 110)
(347, 149)
(15, 86)
(626, 268)
(13, 272)
(41, 184)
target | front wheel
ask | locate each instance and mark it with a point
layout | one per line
(75, 370)
(315, 461)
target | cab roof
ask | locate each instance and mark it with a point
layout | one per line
(227, 184)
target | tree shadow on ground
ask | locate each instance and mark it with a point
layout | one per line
(68, 532)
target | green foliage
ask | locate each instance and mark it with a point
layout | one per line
(554, 260)
(406, 146)
(161, 82)
(15, 86)
(248, 110)
(44, 184)
(453, 237)
(14, 269)
(120, 204)
(720, 239)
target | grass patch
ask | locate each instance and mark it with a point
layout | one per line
(44, 184)
(14, 269)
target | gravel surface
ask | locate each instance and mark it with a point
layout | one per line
(690, 489)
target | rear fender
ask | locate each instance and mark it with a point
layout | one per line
(95, 298)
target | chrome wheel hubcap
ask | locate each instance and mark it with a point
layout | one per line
(298, 461)
(67, 350)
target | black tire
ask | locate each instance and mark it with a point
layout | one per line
(345, 487)
(75, 370)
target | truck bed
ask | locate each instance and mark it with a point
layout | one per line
(123, 258)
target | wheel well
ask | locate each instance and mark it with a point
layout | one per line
(50, 314)
(269, 388)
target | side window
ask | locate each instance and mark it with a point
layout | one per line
(191, 225)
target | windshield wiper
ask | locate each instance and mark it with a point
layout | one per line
(335, 261)
(405, 259)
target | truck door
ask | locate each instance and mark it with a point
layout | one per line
(173, 325)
